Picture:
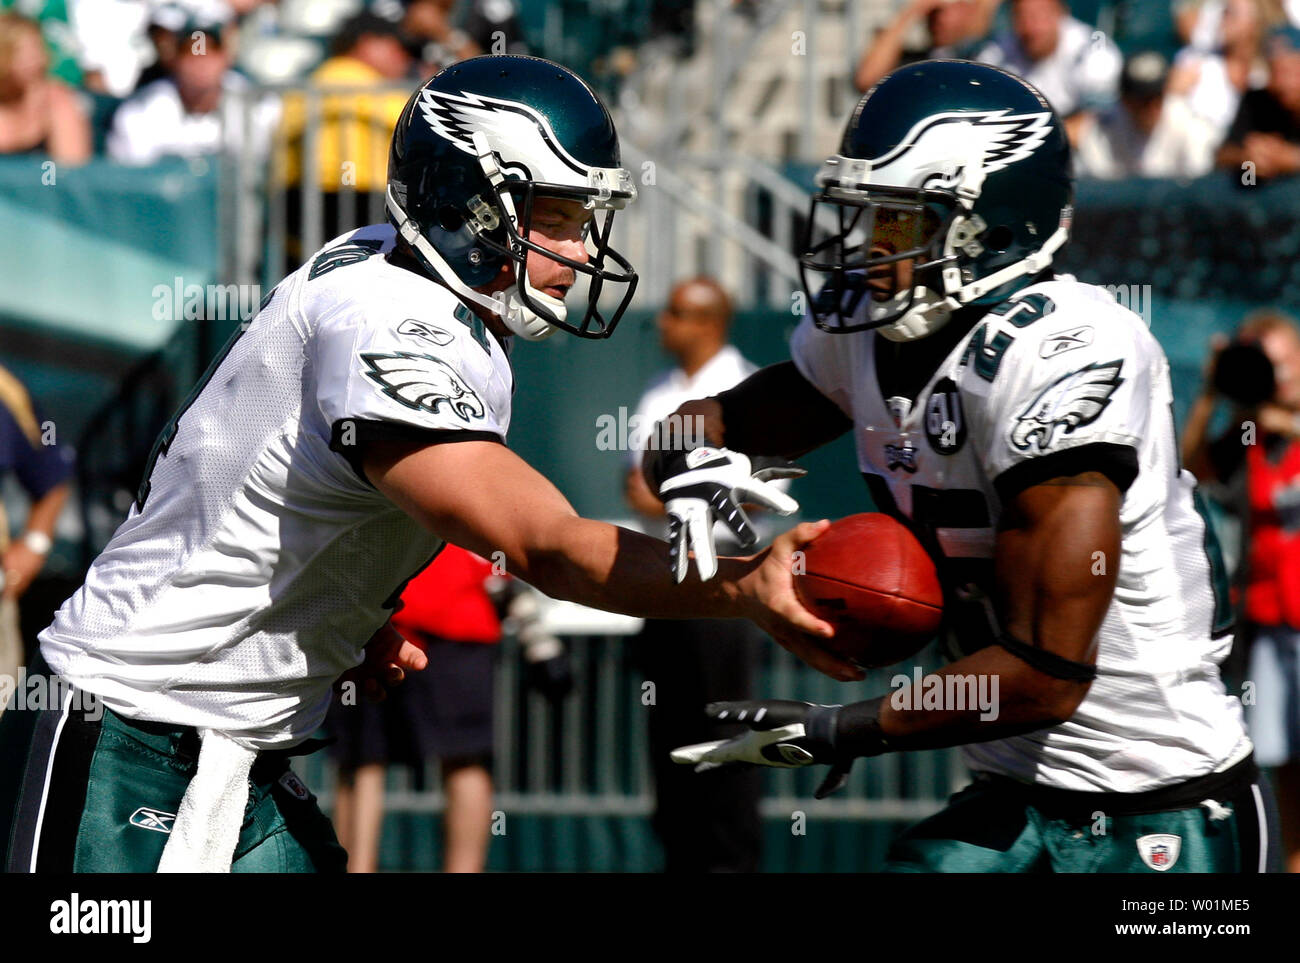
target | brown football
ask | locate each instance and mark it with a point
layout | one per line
(869, 577)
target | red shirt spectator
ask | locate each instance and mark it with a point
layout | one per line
(448, 599)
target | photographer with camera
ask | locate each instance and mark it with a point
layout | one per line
(1258, 459)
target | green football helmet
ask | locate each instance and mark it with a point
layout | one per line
(966, 169)
(473, 150)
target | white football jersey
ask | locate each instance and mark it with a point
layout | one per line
(1049, 383)
(259, 560)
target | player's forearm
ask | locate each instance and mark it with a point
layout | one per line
(612, 568)
(988, 695)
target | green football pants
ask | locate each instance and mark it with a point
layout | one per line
(997, 826)
(98, 795)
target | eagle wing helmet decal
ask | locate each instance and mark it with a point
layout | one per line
(1075, 399)
(529, 133)
(423, 382)
(993, 138)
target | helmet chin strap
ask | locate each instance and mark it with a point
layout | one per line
(928, 314)
(505, 304)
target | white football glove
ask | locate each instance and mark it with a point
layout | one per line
(705, 485)
(781, 733)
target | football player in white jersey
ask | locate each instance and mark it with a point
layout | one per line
(277, 523)
(1020, 423)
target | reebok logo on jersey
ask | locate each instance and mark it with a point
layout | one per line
(425, 332)
(1159, 850)
(1064, 341)
(1075, 399)
(155, 819)
(423, 382)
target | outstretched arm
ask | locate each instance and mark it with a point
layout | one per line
(483, 497)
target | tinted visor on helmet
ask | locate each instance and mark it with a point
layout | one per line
(603, 264)
(873, 249)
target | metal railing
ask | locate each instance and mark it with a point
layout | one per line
(588, 757)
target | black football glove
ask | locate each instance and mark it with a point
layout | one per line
(705, 485)
(787, 735)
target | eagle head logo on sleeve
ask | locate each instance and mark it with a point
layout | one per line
(423, 382)
(1074, 399)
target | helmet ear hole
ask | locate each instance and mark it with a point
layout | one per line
(999, 238)
(450, 219)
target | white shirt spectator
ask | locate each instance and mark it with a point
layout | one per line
(724, 370)
(1081, 73)
(1205, 32)
(113, 40)
(1112, 146)
(154, 124)
(1213, 97)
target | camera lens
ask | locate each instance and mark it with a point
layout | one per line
(1244, 374)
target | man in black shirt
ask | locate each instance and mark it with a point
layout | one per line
(1264, 140)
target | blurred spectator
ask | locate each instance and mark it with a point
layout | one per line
(451, 611)
(1074, 66)
(495, 27)
(1147, 133)
(60, 41)
(1264, 141)
(672, 26)
(39, 114)
(194, 112)
(1260, 451)
(43, 471)
(432, 23)
(706, 822)
(954, 30)
(113, 44)
(444, 712)
(168, 29)
(1214, 80)
(355, 127)
(1199, 22)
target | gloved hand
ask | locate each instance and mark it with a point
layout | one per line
(704, 485)
(782, 733)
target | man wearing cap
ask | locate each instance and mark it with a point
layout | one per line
(188, 113)
(1147, 133)
(1075, 67)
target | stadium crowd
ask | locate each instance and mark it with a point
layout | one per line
(138, 80)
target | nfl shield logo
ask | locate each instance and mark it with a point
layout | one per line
(1159, 850)
(899, 408)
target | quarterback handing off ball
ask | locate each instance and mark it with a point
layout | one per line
(869, 577)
